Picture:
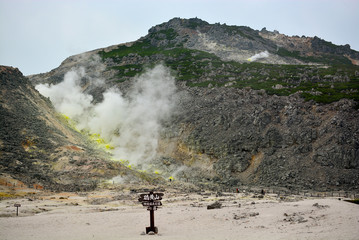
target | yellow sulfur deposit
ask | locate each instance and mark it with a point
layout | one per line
(71, 123)
(109, 147)
(101, 142)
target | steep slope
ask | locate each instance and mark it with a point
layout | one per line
(247, 114)
(38, 146)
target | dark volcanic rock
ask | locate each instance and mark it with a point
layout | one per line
(253, 138)
(214, 205)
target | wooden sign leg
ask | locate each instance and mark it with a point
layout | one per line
(152, 227)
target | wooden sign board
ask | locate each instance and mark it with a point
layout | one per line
(157, 203)
(150, 197)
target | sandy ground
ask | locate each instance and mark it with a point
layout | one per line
(113, 215)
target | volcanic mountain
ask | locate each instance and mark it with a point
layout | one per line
(252, 107)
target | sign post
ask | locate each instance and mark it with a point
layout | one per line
(17, 205)
(151, 201)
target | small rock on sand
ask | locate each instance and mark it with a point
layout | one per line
(214, 205)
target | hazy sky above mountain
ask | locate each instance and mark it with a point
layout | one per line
(37, 35)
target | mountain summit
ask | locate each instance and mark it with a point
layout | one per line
(241, 43)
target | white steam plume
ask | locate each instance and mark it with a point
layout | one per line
(131, 122)
(151, 101)
(66, 96)
(257, 56)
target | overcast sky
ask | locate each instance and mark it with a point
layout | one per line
(37, 35)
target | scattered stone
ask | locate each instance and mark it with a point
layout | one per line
(44, 209)
(245, 215)
(253, 214)
(241, 216)
(294, 218)
(317, 205)
(196, 204)
(215, 205)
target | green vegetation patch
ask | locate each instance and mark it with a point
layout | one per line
(324, 84)
(142, 48)
(129, 70)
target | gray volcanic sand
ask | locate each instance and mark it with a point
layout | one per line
(183, 216)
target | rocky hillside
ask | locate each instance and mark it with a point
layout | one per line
(243, 136)
(257, 107)
(39, 148)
